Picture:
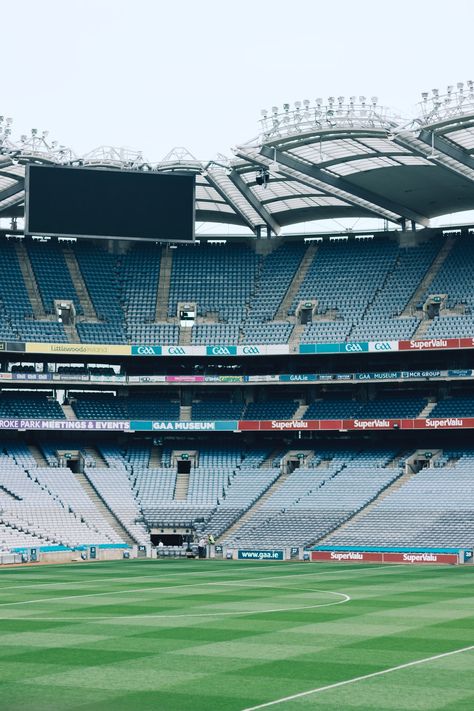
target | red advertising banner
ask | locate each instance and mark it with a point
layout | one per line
(347, 556)
(249, 425)
(430, 344)
(378, 423)
(374, 557)
(443, 423)
(431, 558)
(331, 424)
(466, 343)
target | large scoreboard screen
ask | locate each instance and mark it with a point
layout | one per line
(124, 204)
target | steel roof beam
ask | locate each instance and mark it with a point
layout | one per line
(449, 149)
(344, 186)
(230, 202)
(9, 192)
(251, 198)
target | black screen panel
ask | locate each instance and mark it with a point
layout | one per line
(85, 202)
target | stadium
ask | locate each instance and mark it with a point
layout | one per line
(236, 464)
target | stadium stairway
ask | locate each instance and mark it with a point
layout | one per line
(185, 413)
(94, 455)
(104, 510)
(79, 285)
(279, 481)
(69, 412)
(299, 414)
(37, 455)
(295, 336)
(268, 462)
(155, 456)
(163, 290)
(181, 487)
(426, 411)
(410, 308)
(30, 281)
(185, 336)
(282, 313)
(400, 481)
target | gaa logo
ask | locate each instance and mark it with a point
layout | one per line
(176, 350)
(251, 350)
(382, 346)
(353, 347)
(146, 351)
(220, 350)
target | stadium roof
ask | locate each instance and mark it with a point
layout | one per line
(319, 160)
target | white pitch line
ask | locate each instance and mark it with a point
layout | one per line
(346, 598)
(149, 588)
(359, 678)
(91, 581)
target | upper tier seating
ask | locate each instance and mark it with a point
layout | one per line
(109, 407)
(362, 288)
(52, 275)
(219, 280)
(29, 405)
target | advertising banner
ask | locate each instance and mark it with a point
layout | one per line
(347, 556)
(429, 344)
(146, 350)
(260, 555)
(380, 557)
(427, 558)
(31, 424)
(77, 349)
(183, 426)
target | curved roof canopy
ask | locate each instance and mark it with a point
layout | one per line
(320, 160)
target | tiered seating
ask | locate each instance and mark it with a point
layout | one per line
(346, 277)
(52, 275)
(63, 485)
(266, 332)
(29, 405)
(99, 273)
(109, 407)
(216, 410)
(434, 508)
(208, 483)
(457, 406)
(218, 279)
(454, 279)
(270, 410)
(214, 334)
(342, 408)
(381, 318)
(313, 501)
(277, 273)
(33, 510)
(115, 488)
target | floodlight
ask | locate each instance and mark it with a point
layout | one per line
(286, 107)
(424, 96)
(374, 100)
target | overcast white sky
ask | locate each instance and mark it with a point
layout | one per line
(154, 74)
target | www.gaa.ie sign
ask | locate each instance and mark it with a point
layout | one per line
(260, 555)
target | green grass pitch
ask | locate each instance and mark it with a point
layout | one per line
(227, 636)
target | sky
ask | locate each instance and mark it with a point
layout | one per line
(153, 74)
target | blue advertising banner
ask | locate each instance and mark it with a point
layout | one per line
(183, 426)
(146, 350)
(221, 350)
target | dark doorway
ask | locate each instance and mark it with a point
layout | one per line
(168, 539)
(184, 466)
